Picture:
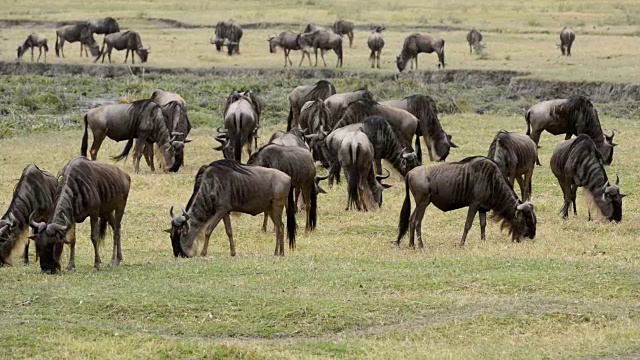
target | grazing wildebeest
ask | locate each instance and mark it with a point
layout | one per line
(241, 121)
(567, 36)
(288, 41)
(304, 93)
(104, 26)
(474, 37)
(572, 116)
(224, 186)
(232, 33)
(417, 43)
(474, 182)
(324, 40)
(142, 121)
(515, 154)
(423, 107)
(314, 116)
(577, 162)
(35, 194)
(34, 41)
(375, 43)
(85, 189)
(76, 33)
(344, 27)
(338, 103)
(311, 27)
(293, 138)
(124, 40)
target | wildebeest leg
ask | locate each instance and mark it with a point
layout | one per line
(148, 154)
(535, 136)
(72, 246)
(378, 58)
(522, 187)
(566, 192)
(264, 222)
(473, 209)
(133, 57)
(227, 228)
(421, 208)
(95, 231)
(378, 164)
(306, 199)
(574, 189)
(126, 56)
(483, 224)
(85, 51)
(322, 55)
(32, 53)
(212, 225)
(98, 138)
(276, 216)
(39, 54)
(315, 51)
(137, 153)
(26, 253)
(118, 214)
(62, 47)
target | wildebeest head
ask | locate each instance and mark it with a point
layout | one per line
(8, 233)
(273, 43)
(144, 54)
(378, 187)
(610, 203)
(50, 239)
(409, 159)
(20, 51)
(401, 63)
(606, 149)
(179, 231)
(377, 29)
(442, 148)
(525, 222)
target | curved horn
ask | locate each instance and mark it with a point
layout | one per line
(171, 212)
(223, 131)
(33, 223)
(320, 178)
(382, 177)
(176, 133)
(525, 205)
(184, 213)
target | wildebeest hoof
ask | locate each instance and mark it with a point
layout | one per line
(203, 253)
(233, 253)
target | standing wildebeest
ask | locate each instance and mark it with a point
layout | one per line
(232, 33)
(288, 41)
(474, 182)
(304, 93)
(375, 43)
(338, 103)
(572, 116)
(417, 43)
(78, 32)
(241, 122)
(35, 194)
(34, 41)
(567, 36)
(423, 107)
(85, 189)
(474, 37)
(224, 186)
(142, 120)
(324, 40)
(576, 163)
(344, 27)
(124, 40)
(104, 26)
(516, 156)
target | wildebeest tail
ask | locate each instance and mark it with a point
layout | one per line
(527, 118)
(340, 52)
(46, 47)
(313, 211)
(237, 146)
(57, 46)
(125, 151)
(289, 118)
(418, 146)
(85, 138)
(292, 227)
(102, 230)
(405, 213)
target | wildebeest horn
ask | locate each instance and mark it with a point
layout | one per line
(617, 180)
(382, 177)
(33, 223)
(525, 205)
(320, 178)
(184, 213)
(223, 131)
(176, 133)
(171, 212)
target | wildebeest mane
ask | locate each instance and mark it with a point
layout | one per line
(358, 110)
(583, 118)
(321, 90)
(424, 108)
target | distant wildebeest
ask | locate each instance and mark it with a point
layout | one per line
(224, 186)
(34, 41)
(324, 40)
(142, 121)
(311, 27)
(104, 26)
(578, 163)
(474, 37)
(516, 156)
(288, 41)
(344, 27)
(76, 33)
(241, 122)
(415, 44)
(304, 93)
(34, 194)
(573, 116)
(338, 103)
(474, 182)
(375, 43)
(423, 107)
(229, 33)
(124, 40)
(567, 36)
(85, 189)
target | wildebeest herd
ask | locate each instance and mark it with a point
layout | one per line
(229, 34)
(350, 131)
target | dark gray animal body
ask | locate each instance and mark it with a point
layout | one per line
(104, 26)
(292, 138)
(124, 40)
(475, 182)
(375, 43)
(230, 34)
(572, 116)
(304, 93)
(324, 40)
(474, 37)
(515, 154)
(415, 44)
(34, 41)
(85, 189)
(35, 194)
(76, 33)
(344, 27)
(241, 122)
(224, 186)
(289, 41)
(567, 36)
(311, 27)
(578, 163)
(338, 103)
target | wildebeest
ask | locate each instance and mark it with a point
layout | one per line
(324, 40)
(577, 163)
(304, 93)
(338, 103)
(76, 33)
(124, 40)
(34, 41)
(232, 33)
(288, 41)
(375, 43)
(423, 107)
(241, 122)
(104, 26)
(85, 189)
(515, 154)
(142, 121)
(224, 186)
(415, 44)
(474, 37)
(311, 27)
(293, 138)
(344, 27)
(567, 36)
(314, 117)
(572, 116)
(35, 194)
(474, 182)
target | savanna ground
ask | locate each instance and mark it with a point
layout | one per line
(346, 291)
